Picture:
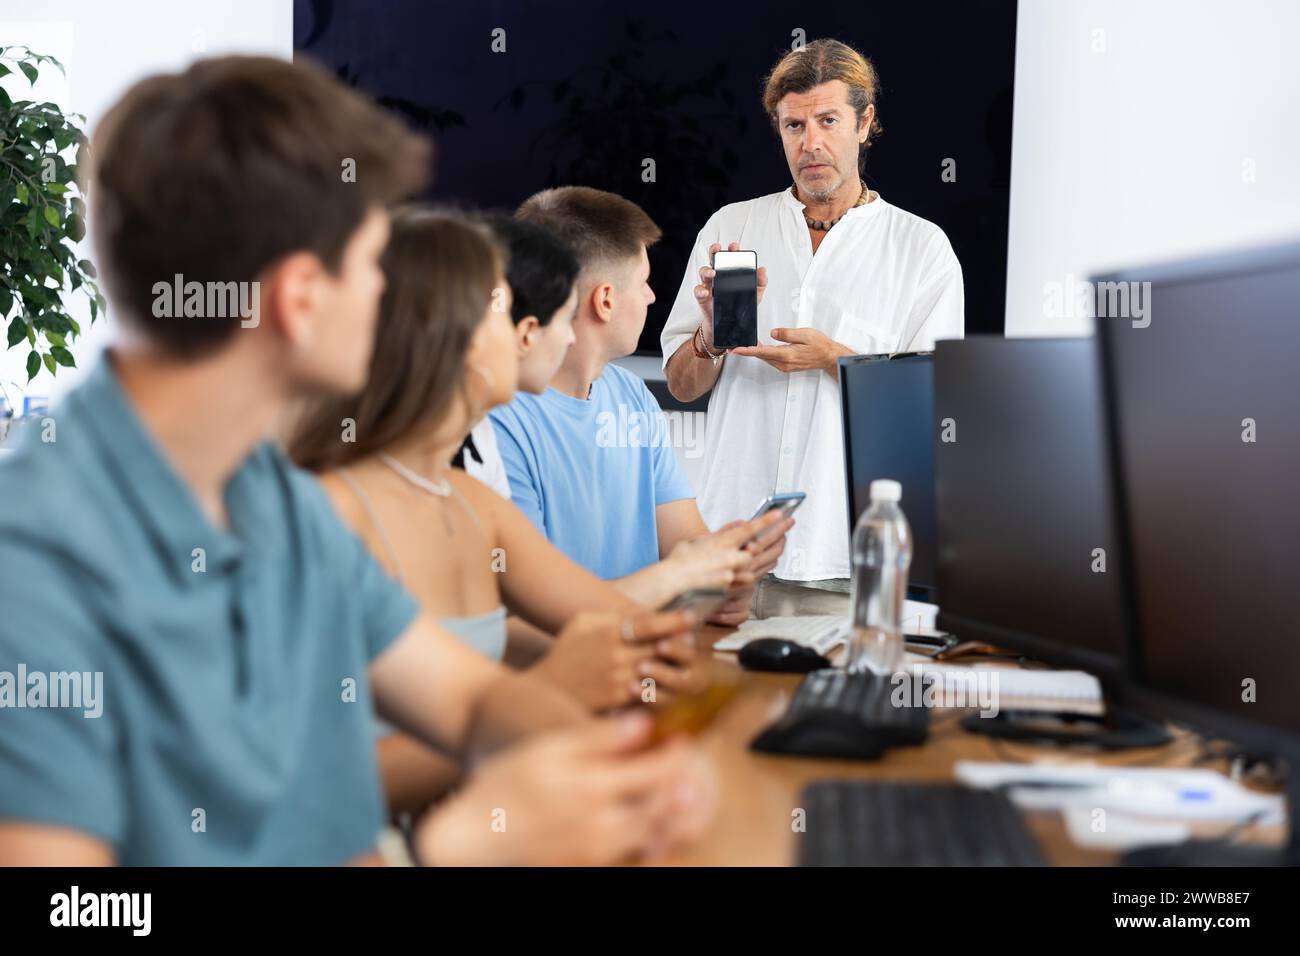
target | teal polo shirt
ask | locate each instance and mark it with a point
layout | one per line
(235, 711)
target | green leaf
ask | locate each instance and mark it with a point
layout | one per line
(55, 322)
(21, 193)
(63, 356)
(33, 364)
(52, 215)
(6, 302)
(31, 336)
(88, 267)
(17, 331)
(4, 70)
(50, 364)
(76, 228)
(29, 71)
(55, 338)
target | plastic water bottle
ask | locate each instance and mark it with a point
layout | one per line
(882, 554)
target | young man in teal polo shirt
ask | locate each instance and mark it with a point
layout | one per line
(162, 551)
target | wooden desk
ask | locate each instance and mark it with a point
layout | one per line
(760, 791)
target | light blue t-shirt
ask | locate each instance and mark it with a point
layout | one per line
(231, 722)
(591, 472)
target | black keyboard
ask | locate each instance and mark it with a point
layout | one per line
(862, 823)
(838, 714)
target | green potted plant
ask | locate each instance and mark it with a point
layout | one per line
(42, 216)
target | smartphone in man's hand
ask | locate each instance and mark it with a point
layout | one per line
(735, 298)
(784, 503)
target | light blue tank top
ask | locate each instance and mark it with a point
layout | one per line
(486, 632)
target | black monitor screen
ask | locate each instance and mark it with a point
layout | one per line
(1205, 412)
(1027, 555)
(889, 433)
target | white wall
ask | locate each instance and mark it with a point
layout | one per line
(1175, 130)
(107, 46)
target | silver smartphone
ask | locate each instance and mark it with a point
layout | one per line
(785, 503)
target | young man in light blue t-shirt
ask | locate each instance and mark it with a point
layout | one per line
(590, 460)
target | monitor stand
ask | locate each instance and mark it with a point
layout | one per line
(1119, 729)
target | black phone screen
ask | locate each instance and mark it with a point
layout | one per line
(735, 307)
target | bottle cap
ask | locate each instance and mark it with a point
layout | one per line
(886, 489)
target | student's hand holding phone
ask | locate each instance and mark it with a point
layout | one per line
(709, 561)
(594, 795)
(704, 291)
(766, 549)
(765, 541)
(603, 659)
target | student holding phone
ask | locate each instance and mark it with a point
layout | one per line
(542, 274)
(613, 499)
(839, 271)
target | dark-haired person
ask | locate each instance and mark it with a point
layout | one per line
(444, 354)
(614, 500)
(842, 272)
(542, 273)
(171, 554)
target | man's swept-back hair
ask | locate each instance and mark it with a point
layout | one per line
(823, 61)
(598, 226)
(215, 173)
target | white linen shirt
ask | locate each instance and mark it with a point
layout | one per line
(882, 281)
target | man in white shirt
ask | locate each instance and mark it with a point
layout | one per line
(842, 272)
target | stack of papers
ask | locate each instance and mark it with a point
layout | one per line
(1017, 688)
(1122, 807)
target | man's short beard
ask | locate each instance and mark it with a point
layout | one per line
(828, 193)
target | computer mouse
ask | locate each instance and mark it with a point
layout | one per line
(776, 654)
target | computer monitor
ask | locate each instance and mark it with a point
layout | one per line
(1204, 421)
(1027, 557)
(888, 408)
